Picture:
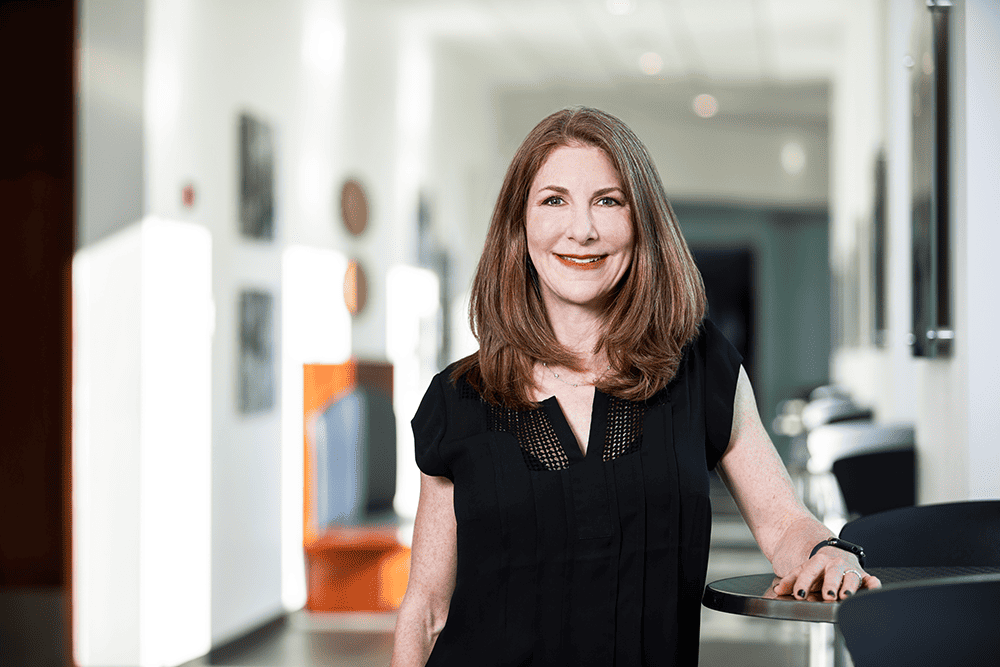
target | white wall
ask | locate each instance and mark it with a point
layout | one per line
(466, 167)
(111, 86)
(206, 63)
(371, 148)
(952, 401)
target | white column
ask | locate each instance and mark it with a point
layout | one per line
(143, 317)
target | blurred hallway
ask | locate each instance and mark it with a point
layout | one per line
(768, 119)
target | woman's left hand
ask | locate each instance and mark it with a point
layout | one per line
(785, 530)
(834, 573)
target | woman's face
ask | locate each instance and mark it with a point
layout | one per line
(579, 228)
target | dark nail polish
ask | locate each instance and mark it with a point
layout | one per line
(831, 593)
(802, 593)
(848, 594)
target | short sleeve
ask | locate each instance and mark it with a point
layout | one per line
(429, 424)
(722, 371)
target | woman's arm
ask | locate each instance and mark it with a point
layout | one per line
(432, 574)
(785, 530)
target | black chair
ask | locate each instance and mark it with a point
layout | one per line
(877, 481)
(963, 533)
(934, 623)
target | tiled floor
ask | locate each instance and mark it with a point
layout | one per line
(308, 640)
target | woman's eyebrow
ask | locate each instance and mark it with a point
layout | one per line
(563, 191)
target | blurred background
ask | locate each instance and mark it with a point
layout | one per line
(212, 201)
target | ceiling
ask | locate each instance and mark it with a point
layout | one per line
(759, 58)
(604, 41)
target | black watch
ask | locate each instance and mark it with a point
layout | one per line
(855, 549)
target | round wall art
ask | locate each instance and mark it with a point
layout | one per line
(354, 207)
(355, 287)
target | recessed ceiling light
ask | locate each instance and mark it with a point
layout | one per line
(650, 63)
(620, 7)
(793, 158)
(705, 105)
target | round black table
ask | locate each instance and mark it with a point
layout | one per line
(754, 595)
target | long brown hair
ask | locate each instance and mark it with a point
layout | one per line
(658, 304)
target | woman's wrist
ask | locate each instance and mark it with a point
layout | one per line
(837, 543)
(795, 543)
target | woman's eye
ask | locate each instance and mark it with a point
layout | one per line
(608, 201)
(553, 201)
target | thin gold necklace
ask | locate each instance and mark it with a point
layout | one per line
(571, 384)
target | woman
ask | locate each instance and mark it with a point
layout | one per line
(564, 515)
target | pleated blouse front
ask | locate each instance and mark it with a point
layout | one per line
(573, 559)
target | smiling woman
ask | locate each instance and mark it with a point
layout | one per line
(564, 515)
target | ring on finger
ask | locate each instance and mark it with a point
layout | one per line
(856, 573)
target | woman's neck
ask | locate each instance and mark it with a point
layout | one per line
(579, 331)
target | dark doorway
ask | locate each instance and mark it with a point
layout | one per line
(729, 278)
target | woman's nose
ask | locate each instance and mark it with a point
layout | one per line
(581, 228)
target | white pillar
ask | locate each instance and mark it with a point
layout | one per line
(143, 318)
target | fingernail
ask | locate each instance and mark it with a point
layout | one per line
(848, 594)
(802, 593)
(831, 593)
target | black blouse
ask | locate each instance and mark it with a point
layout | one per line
(573, 559)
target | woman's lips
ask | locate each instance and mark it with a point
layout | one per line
(583, 262)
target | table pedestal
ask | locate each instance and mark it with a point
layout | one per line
(826, 647)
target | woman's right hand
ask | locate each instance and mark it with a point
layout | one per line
(433, 560)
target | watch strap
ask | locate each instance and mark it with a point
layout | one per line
(838, 543)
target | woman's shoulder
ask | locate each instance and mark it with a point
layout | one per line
(450, 393)
(457, 379)
(451, 411)
(710, 340)
(709, 351)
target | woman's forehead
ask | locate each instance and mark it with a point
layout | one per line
(575, 157)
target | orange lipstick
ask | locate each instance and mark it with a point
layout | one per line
(582, 262)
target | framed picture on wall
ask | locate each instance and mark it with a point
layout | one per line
(932, 334)
(256, 206)
(256, 350)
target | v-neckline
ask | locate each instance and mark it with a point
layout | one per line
(598, 426)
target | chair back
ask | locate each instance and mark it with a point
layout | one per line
(963, 533)
(830, 442)
(832, 409)
(933, 623)
(877, 481)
